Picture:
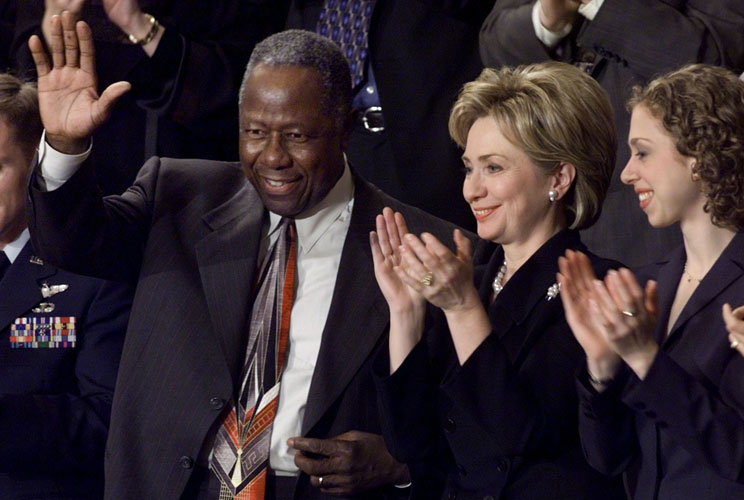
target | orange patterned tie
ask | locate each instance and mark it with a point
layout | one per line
(240, 455)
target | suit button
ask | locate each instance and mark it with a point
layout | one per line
(461, 470)
(216, 403)
(502, 466)
(186, 462)
(488, 497)
(449, 426)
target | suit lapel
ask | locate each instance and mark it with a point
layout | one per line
(358, 315)
(20, 288)
(727, 269)
(667, 280)
(227, 257)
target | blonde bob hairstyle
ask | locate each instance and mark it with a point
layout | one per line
(556, 114)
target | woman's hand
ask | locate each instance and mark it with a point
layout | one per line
(386, 247)
(576, 279)
(407, 307)
(734, 320)
(444, 278)
(626, 315)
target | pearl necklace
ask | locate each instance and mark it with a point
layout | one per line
(498, 281)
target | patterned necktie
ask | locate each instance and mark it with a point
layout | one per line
(241, 450)
(346, 22)
(4, 263)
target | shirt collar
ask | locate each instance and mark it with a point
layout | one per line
(314, 222)
(14, 248)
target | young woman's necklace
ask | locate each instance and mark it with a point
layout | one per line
(690, 277)
(498, 281)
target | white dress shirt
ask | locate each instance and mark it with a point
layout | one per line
(15, 247)
(321, 232)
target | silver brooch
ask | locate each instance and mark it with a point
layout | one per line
(47, 291)
(44, 307)
(553, 291)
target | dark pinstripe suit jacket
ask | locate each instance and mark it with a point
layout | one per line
(188, 231)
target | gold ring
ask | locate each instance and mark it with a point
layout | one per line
(427, 280)
(734, 344)
(628, 313)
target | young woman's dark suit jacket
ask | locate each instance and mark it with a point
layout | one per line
(504, 424)
(682, 427)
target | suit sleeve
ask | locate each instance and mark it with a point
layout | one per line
(705, 421)
(625, 32)
(407, 401)
(68, 431)
(526, 407)
(606, 425)
(94, 236)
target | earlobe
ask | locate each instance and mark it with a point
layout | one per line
(563, 177)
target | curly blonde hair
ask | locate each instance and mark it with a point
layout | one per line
(702, 108)
(555, 113)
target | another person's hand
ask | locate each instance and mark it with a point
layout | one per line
(555, 14)
(734, 320)
(349, 463)
(576, 279)
(68, 98)
(55, 8)
(626, 315)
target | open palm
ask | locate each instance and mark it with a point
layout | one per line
(70, 106)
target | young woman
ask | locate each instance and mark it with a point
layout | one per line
(662, 392)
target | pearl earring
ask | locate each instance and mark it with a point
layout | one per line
(552, 195)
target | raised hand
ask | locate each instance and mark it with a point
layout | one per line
(555, 14)
(349, 463)
(576, 279)
(386, 245)
(68, 98)
(734, 320)
(407, 307)
(55, 8)
(627, 315)
(444, 278)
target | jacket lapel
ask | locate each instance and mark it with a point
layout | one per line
(358, 315)
(727, 269)
(227, 257)
(20, 288)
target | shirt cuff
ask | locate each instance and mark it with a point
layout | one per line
(549, 38)
(56, 168)
(589, 10)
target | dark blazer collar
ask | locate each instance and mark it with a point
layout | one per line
(728, 268)
(358, 315)
(530, 283)
(226, 256)
(20, 288)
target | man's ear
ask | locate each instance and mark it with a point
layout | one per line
(562, 178)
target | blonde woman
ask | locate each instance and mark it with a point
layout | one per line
(483, 403)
